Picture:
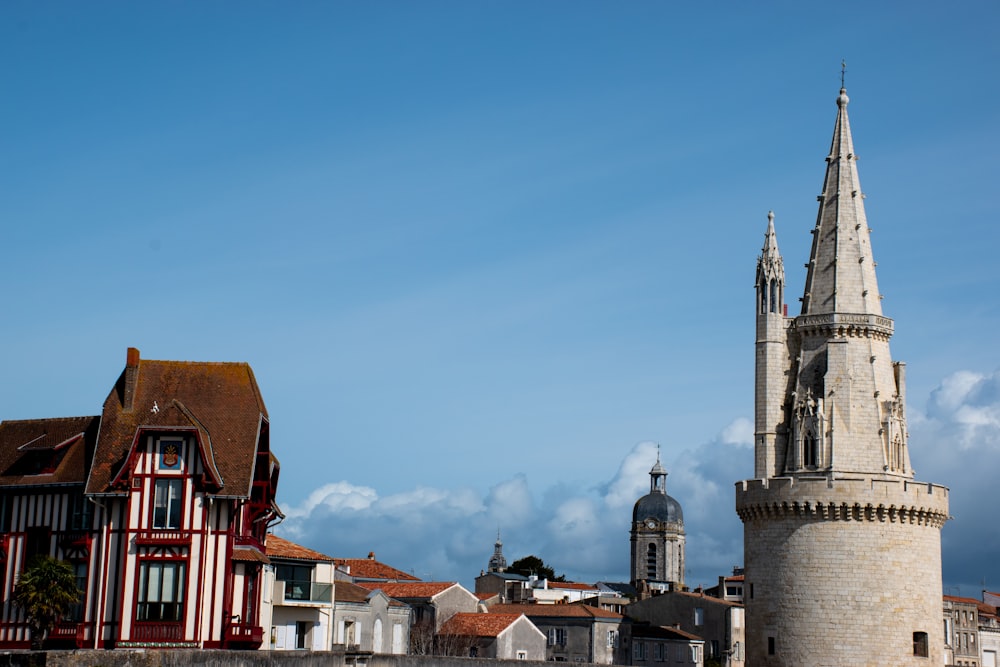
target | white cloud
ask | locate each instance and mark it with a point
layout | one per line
(448, 533)
(582, 532)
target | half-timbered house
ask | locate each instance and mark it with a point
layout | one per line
(161, 504)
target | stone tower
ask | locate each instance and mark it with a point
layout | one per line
(842, 546)
(657, 536)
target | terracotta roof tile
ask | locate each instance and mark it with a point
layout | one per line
(249, 555)
(468, 624)
(279, 547)
(556, 611)
(410, 590)
(955, 598)
(219, 401)
(571, 586)
(367, 568)
(46, 451)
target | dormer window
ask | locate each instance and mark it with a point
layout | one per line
(167, 503)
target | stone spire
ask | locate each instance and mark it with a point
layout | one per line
(847, 404)
(841, 276)
(770, 273)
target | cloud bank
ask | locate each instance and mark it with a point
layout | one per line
(447, 533)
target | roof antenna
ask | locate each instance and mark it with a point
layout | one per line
(843, 68)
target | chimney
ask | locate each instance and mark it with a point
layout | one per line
(131, 378)
(371, 555)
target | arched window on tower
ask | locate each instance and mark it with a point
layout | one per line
(810, 447)
(774, 296)
(651, 561)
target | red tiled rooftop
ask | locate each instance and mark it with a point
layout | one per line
(955, 598)
(468, 624)
(572, 586)
(369, 568)
(408, 589)
(279, 547)
(556, 610)
(56, 446)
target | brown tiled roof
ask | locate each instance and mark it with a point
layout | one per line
(345, 591)
(57, 447)
(409, 590)
(986, 609)
(279, 547)
(468, 624)
(955, 598)
(249, 555)
(707, 598)
(571, 586)
(662, 632)
(368, 568)
(556, 610)
(219, 401)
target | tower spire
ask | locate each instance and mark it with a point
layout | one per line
(841, 275)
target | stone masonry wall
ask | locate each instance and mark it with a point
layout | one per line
(878, 541)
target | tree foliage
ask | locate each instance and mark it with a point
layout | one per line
(45, 591)
(530, 565)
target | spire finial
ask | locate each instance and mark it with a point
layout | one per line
(843, 70)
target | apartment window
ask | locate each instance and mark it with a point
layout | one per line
(81, 512)
(167, 503)
(298, 580)
(714, 648)
(920, 644)
(161, 591)
(522, 655)
(639, 650)
(75, 612)
(612, 638)
(557, 636)
(301, 633)
(699, 616)
(770, 645)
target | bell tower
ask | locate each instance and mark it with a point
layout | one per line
(842, 547)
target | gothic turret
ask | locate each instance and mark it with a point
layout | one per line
(772, 357)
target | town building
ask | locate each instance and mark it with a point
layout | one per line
(837, 531)
(577, 632)
(729, 588)
(720, 623)
(989, 629)
(657, 538)
(508, 586)
(432, 603)
(298, 597)
(496, 636)
(961, 631)
(161, 504)
(369, 622)
(661, 646)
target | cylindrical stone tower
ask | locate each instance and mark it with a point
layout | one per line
(842, 546)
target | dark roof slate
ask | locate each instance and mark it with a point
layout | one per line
(36, 452)
(220, 401)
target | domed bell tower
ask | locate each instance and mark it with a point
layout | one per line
(657, 537)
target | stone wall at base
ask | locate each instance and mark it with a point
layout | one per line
(211, 658)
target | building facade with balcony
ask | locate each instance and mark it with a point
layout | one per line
(161, 504)
(298, 601)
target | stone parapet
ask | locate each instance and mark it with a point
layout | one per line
(844, 499)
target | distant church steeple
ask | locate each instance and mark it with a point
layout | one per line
(657, 536)
(497, 562)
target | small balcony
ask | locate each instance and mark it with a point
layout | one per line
(156, 632)
(244, 637)
(166, 538)
(303, 593)
(69, 633)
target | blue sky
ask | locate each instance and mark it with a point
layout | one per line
(481, 255)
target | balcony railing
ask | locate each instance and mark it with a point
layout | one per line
(163, 538)
(70, 631)
(240, 635)
(157, 632)
(303, 591)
